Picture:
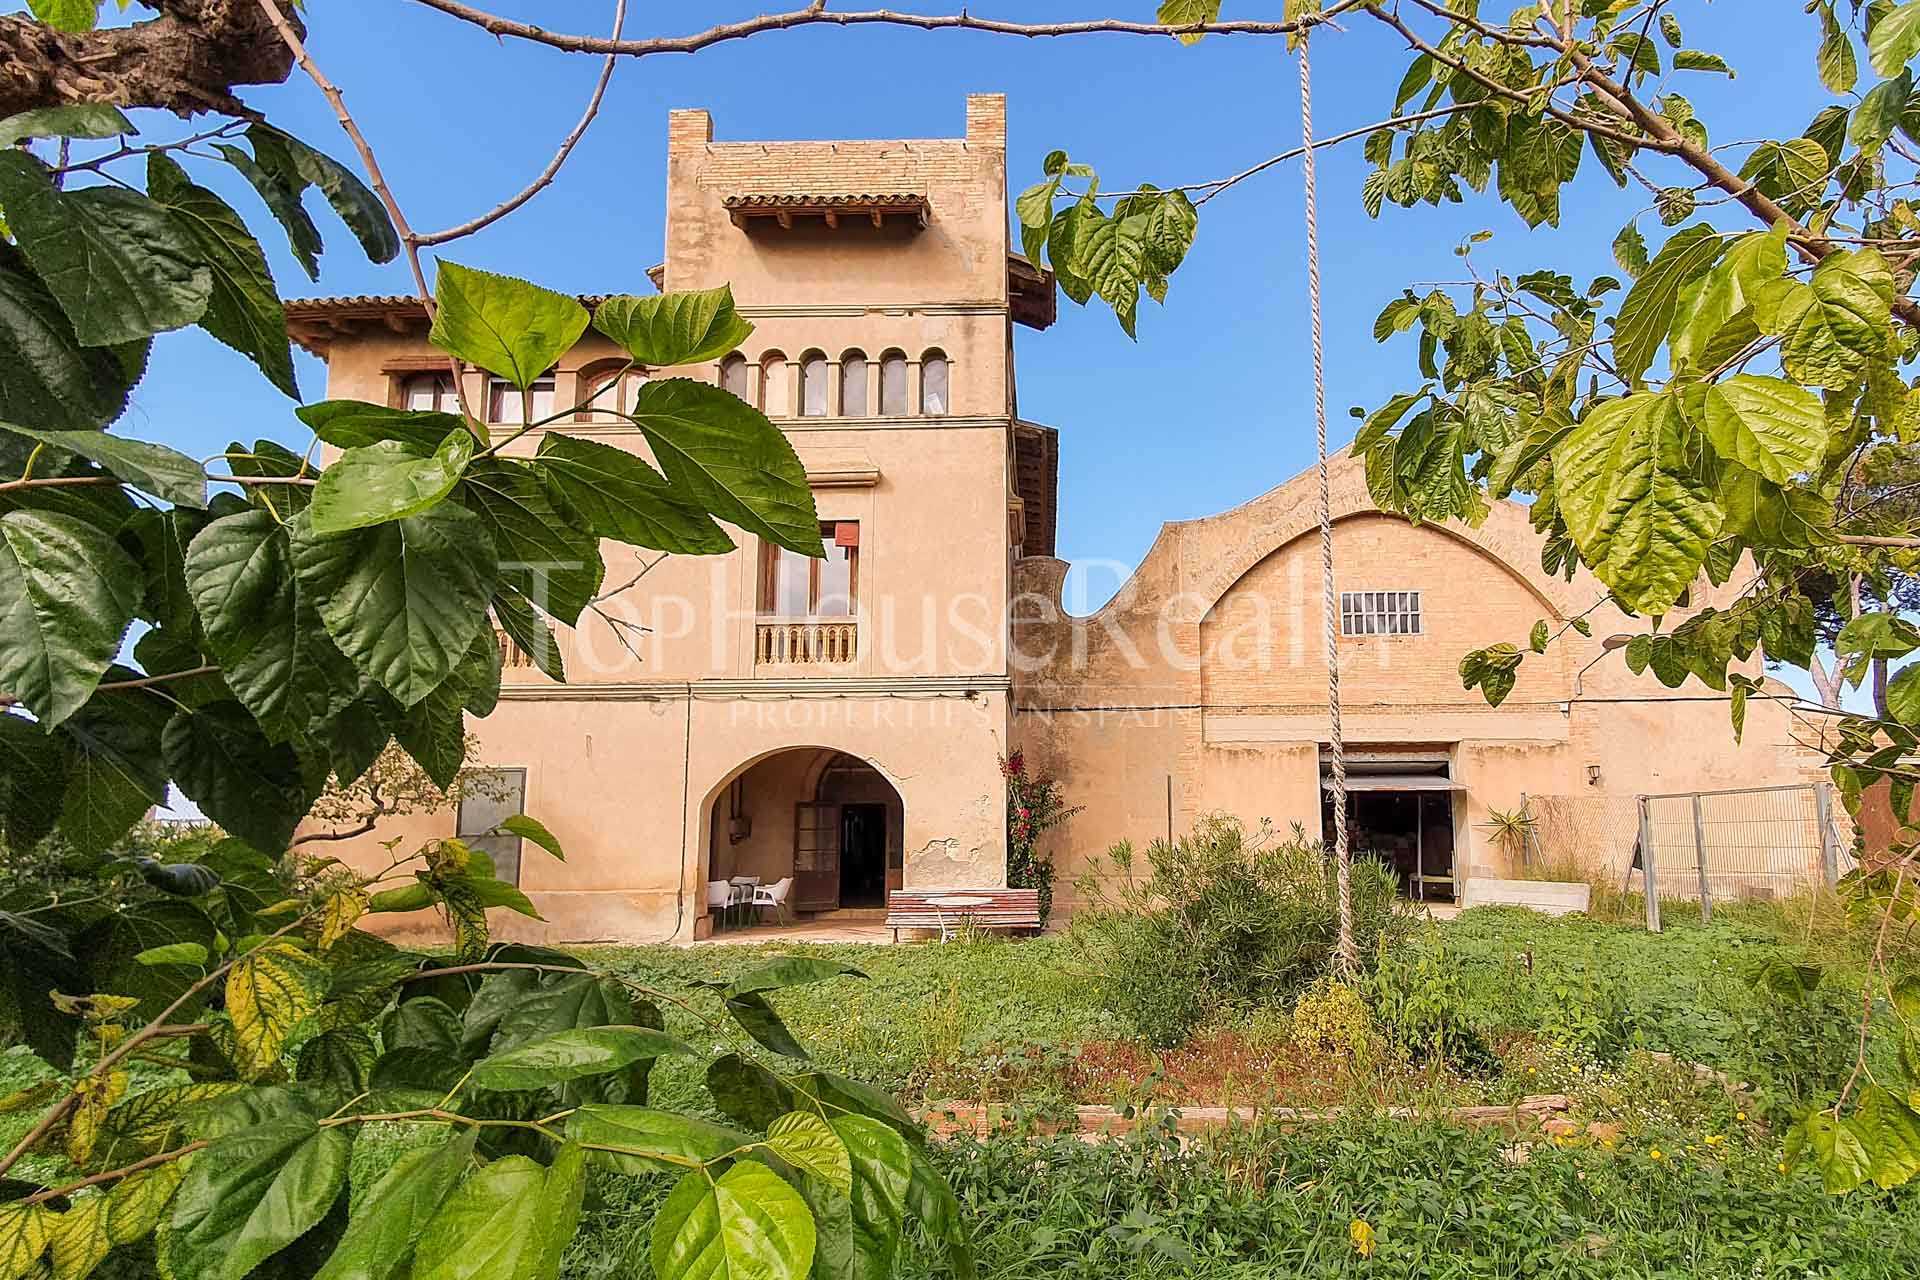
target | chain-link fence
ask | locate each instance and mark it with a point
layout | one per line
(1709, 846)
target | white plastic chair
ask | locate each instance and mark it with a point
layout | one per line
(720, 898)
(774, 895)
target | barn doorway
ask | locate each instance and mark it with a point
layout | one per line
(1400, 812)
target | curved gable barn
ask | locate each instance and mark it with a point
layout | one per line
(1201, 686)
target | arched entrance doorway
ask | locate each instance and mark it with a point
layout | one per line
(828, 820)
(866, 818)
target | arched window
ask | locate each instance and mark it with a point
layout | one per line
(893, 384)
(853, 384)
(933, 384)
(505, 403)
(611, 393)
(429, 391)
(813, 385)
(733, 375)
(776, 388)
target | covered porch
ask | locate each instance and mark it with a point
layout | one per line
(820, 833)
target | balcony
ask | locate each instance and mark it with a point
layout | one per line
(805, 641)
(511, 654)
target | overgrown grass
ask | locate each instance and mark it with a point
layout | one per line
(1658, 1173)
(960, 1019)
(1443, 1202)
(1688, 991)
(922, 1014)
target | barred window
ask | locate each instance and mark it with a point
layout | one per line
(1379, 613)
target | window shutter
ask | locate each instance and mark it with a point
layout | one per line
(846, 533)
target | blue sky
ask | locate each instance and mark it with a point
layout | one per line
(1212, 406)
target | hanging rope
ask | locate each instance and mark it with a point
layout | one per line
(1345, 954)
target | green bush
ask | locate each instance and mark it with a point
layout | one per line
(1332, 1017)
(1035, 806)
(1419, 1000)
(1222, 921)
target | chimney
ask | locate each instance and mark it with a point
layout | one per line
(987, 120)
(688, 128)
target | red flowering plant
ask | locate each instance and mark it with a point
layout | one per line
(1034, 807)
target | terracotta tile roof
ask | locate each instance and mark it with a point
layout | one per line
(785, 206)
(837, 200)
(381, 303)
(313, 322)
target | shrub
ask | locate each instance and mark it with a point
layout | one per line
(1332, 1017)
(1419, 998)
(1034, 807)
(1223, 920)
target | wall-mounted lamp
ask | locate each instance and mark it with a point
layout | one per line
(1593, 775)
(1607, 646)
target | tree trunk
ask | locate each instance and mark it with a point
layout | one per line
(187, 60)
(1880, 688)
(1827, 686)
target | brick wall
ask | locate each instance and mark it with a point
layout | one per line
(1263, 641)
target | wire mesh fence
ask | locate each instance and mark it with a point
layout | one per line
(1709, 846)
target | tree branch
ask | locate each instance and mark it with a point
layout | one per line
(408, 240)
(1621, 102)
(114, 1175)
(1219, 185)
(1874, 540)
(188, 60)
(290, 36)
(144, 681)
(547, 174)
(817, 15)
(58, 482)
(1573, 119)
(366, 825)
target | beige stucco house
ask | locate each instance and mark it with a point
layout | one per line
(842, 722)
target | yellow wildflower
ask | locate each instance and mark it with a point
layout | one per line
(1654, 1154)
(1362, 1236)
(1715, 1139)
(1739, 1115)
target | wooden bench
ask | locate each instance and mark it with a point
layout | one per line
(949, 909)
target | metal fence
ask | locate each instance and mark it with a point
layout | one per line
(1710, 846)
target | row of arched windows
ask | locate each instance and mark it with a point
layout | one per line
(813, 386)
(851, 387)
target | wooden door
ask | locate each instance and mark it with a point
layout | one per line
(816, 856)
